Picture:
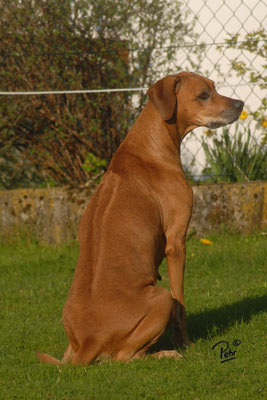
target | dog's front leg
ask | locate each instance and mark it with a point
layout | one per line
(175, 253)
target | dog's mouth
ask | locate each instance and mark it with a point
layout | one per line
(228, 117)
(215, 124)
(219, 124)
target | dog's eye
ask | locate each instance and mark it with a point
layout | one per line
(204, 96)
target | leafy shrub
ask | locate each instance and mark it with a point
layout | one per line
(76, 45)
(95, 166)
(235, 158)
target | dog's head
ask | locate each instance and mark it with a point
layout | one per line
(193, 101)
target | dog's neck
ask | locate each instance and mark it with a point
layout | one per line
(154, 135)
(177, 128)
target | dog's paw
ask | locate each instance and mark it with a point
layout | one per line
(167, 353)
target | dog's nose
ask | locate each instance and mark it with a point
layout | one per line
(239, 104)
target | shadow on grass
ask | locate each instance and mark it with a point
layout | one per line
(210, 323)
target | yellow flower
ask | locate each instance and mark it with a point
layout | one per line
(205, 241)
(243, 115)
(264, 123)
(208, 132)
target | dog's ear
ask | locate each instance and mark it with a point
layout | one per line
(163, 95)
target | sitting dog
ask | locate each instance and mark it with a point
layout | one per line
(139, 214)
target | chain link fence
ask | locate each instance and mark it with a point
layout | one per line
(215, 22)
(238, 68)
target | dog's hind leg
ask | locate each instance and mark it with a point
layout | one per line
(68, 355)
(150, 328)
(89, 349)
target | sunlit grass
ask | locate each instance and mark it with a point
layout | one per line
(225, 290)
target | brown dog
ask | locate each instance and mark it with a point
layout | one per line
(139, 214)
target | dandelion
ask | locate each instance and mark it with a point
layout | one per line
(208, 132)
(205, 241)
(243, 115)
(264, 123)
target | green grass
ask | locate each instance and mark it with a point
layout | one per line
(225, 288)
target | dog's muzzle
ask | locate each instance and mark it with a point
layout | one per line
(228, 115)
(232, 113)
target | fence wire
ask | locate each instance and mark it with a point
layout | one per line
(214, 23)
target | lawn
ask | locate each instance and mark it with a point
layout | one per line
(225, 289)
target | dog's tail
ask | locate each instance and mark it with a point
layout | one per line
(68, 355)
(47, 358)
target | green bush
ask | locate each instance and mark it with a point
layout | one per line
(95, 166)
(234, 158)
(77, 45)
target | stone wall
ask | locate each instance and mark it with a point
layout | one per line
(239, 207)
(52, 215)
